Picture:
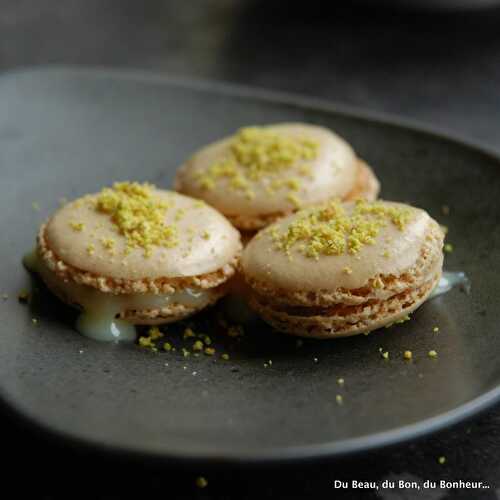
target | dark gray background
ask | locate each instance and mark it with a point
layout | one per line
(440, 68)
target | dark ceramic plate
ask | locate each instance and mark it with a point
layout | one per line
(64, 133)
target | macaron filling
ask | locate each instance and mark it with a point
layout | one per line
(107, 316)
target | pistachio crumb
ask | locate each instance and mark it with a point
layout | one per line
(448, 247)
(139, 215)
(209, 351)
(201, 482)
(339, 399)
(330, 230)
(433, 354)
(340, 381)
(442, 460)
(77, 226)
(155, 333)
(254, 154)
(188, 332)
(408, 355)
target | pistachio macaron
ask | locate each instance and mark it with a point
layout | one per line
(137, 254)
(262, 173)
(342, 269)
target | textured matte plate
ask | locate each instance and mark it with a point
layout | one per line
(65, 133)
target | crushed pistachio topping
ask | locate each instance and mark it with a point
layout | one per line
(433, 354)
(294, 200)
(408, 355)
(138, 215)
(257, 153)
(179, 214)
(330, 230)
(77, 226)
(108, 243)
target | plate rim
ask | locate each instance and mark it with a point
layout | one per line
(331, 449)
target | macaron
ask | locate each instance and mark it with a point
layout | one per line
(263, 173)
(133, 254)
(343, 269)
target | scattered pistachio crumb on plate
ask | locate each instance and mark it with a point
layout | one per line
(201, 482)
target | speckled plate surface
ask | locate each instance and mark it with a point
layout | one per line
(64, 133)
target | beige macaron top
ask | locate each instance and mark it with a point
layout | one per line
(340, 246)
(134, 231)
(270, 169)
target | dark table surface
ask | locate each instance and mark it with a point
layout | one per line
(442, 69)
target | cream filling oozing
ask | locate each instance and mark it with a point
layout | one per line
(99, 318)
(451, 280)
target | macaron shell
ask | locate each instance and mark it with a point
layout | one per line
(367, 185)
(394, 252)
(334, 172)
(207, 241)
(329, 326)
